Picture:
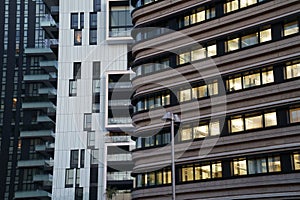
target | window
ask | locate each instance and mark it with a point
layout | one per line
(186, 133)
(245, 3)
(82, 156)
(187, 173)
(294, 115)
(167, 176)
(87, 121)
(72, 87)
(77, 37)
(252, 121)
(296, 161)
(256, 165)
(292, 70)
(91, 139)
(93, 20)
(78, 193)
(231, 6)
(200, 171)
(74, 158)
(76, 70)
(250, 79)
(96, 70)
(185, 95)
(151, 178)
(239, 167)
(290, 28)
(94, 156)
(250, 39)
(69, 178)
(97, 5)
(119, 20)
(77, 181)
(93, 36)
(201, 130)
(81, 20)
(74, 20)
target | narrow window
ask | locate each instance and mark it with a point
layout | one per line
(87, 121)
(72, 87)
(69, 178)
(77, 37)
(81, 20)
(74, 158)
(296, 161)
(77, 181)
(91, 139)
(97, 5)
(74, 20)
(78, 193)
(239, 167)
(77, 70)
(82, 156)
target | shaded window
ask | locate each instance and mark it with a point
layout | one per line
(91, 139)
(77, 180)
(74, 20)
(82, 156)
(72, 87)
(87, 124)
(94, 156)
(69, 178)
(96, 70)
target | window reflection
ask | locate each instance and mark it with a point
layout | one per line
(294, 115)
(292, 70)
(77, 37)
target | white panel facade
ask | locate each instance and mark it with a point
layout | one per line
(70, 133)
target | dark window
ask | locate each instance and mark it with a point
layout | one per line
(74, 20)
(77, 70)
(77, 37)
(78, 193)
(93, 20)
(93, 36)
(82, 155)
(74, 159)
(97, 5)
(81, 20)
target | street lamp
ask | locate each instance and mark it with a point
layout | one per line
(169, 116)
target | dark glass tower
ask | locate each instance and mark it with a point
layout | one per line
(28, 97)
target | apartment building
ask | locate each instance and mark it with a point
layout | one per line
(29, 34)
(230, 70)
(92, 159)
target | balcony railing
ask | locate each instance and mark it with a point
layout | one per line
(119, 157)
(119, 120)
(117, 139)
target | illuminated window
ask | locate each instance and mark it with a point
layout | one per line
(232, 44)
(234, 84)
(185, 95)
(253, 122)
(187, 173)
(239, 167)
(231, 6)
(201, 131)
(245, 3)
(186, 133)
(267, 76)
(236, 124)
(216, 170)
(214, 128)
(77, 37)
(274, 164)
(166, 176)
(184, 58)
(270, 119)
(265, 35)
(205, 171)
(151, 178)
(213, 88)
(290, 28)
(159, 178)
(296, 161)
(294, 115)
(292, 70)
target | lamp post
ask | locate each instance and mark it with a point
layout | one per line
(169, 116)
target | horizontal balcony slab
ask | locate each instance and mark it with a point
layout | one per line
(33, 194)
(37, 134)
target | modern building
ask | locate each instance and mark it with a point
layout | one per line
(28, 54)
(92, 159)
(231, 71)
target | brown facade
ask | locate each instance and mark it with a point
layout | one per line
(279, 96)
